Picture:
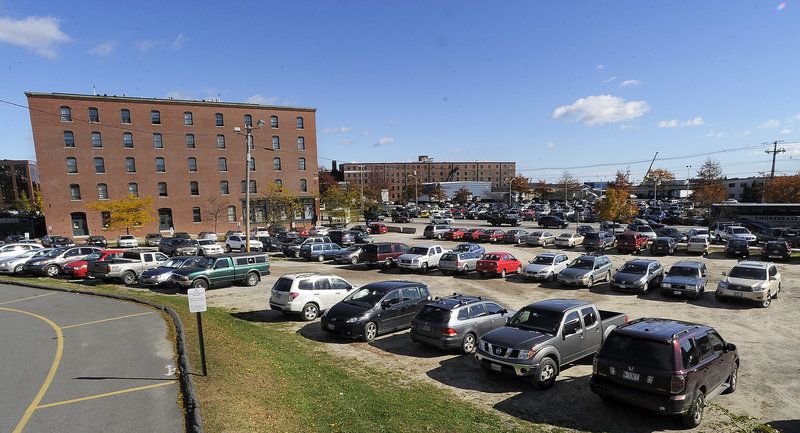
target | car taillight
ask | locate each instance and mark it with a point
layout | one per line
(449, 332)
(293, 295)
(108, 268)
(458, 264)
(677, 384)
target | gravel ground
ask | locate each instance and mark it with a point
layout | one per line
(768, 341)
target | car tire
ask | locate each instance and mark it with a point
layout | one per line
(482, 274)
(733, 380)
(18, 269)
(468, 344)
(310, 312)
(766, 302)
(296, 254)
(52, 271)
(251, 279)
(546, 374)
(519, 270)
(608, 277)
(775, 296)
(551, 277)
(694, 416)
(387, 263)
(503, 273)
(370, 331)
(228, 248)
(423, 268)
(200, 284)
(591, 281)
(321, 258)
(129, 278)
(439, 236)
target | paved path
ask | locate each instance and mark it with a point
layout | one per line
(79, 363)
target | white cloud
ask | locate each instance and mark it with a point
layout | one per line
(786, 131)
(346, 142)
(602, 109)
(179, 41)
(38, 34)
(103, 49)
(675, 123)
(337, 130)
(600, 67)
(772, 123)
(630, 83)
(384, 141)
(147, 45)
(262, 100)
(714, 134)
(608, 80)
(551, 145)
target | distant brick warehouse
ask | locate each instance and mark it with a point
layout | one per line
(184, 154)
(395, 176)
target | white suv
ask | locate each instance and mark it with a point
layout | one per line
(237, 242)
(127, 241)
(738, 232)
(755, 281)
(421, 257)
(308, 294)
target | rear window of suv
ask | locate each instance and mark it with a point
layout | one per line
(631, 350)
(282, 285)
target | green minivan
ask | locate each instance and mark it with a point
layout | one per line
(223, 271)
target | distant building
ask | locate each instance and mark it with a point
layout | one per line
(482, 190)
(17, 178)
(742, 188)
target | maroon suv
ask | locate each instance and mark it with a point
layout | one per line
(382, 253)
(492, 235)
(667, 366)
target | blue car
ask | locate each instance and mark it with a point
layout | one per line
(469, 248)
(320, 251)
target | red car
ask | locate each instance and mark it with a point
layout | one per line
(378, 228)
(79, 268)
(631, 242)
(455, 234)
(492, 235)
(498, 264)
(302, 232)
(473, 234)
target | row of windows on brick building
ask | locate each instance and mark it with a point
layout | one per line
(130, 164)
(158, 141)
(162, 191)
(188, 117)
(197, 215)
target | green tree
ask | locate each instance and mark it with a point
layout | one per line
(281, 204)
(462, 195)
(23, 204)
(37, 200)
(129, 212)
(617, 206)
(341, 203)
(708, 188)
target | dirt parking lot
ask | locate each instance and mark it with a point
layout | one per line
(768, 341)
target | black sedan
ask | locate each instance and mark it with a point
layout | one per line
(663, 245)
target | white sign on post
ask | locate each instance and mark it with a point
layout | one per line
(197, 300)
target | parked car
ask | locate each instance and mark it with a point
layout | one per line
(13, 250)
(233, 233)
(52, 263)
(455, 234)
(767, 234)
(543, 337)
(376, 308)
(383, 253)
(638, 275)
(378, 229)
(361, 237)
(57, 241)
(642, 230)
(698, 231)
(498, 264)
(421, 257)
(183, 247)
(351, 255)
(361, 228)
(663, 245)
(515, 236)
(211, 236)
(737, 247)
(473, 234)
(80, 268)
(270, 243)
(308, 294)
(457, 321)
(673, 233)
(223, 271)
(631, 242)
(128, 267)
(318, 231)
(569, 240)
(320, 252)
(161, 274)
(373, 216)
(732, 232)
(586, 270)
(611, 227)
(584, 230)
(548, 221)
(545, 266)
(239, 243)
(208, 247)
(293, 249)
(127, 241)
(667, 366)
(759, 282)
(697, 244)
(342, 237)
(492, 235)
(777, 249)
(598, 241)
(455, 262)
(14, 264)
(435, 231)
(97, 241)
(685, 278)
(401, 218)
(469, 248)
(442, 220)
(540, 239)
(152, 239)
(513, 220)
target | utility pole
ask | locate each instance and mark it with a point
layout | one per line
(775, 151)
(361, 172)
(249, 156)
(688, 169)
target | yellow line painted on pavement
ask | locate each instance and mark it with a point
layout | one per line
(108, 394)
(53, 368)
(107, 320)
(29, 297)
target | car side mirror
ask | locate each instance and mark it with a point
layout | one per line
(724, 274)
(730, 347)
(503, 311)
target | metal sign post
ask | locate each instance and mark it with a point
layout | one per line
(197, 305)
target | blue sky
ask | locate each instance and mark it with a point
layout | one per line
(548, 84)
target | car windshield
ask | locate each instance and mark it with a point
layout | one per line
(207, 242)
(738, 242)
(701, 232)
(582, 264)
(365, 296)
(748, 273)
(592, 236)
(536, 234)
(683, 271)
(697, 239)
(631, 350)
(174, 263)
(741, 231)
(353, 249)
(542, 260)
(418, 250)
(644, 229)
(536, 319)
(661, 242)
(634, 268)
(127, 237)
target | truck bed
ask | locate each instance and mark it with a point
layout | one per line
(612, 317)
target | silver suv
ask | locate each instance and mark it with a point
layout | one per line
(457, 321)
(638, 275)
(459, 262)
(308, 294)
(586, 270)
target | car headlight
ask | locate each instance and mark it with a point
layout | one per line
(415, 261)
(543, 271)
(723, 285)
(642, 281)
(666, 285)
(527, 354)
(353, 320)
(759, 288)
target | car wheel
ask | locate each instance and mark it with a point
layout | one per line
(321, 258)
(423, 268)
(694, 416)
(18, 269)
(767, 301)
(483, 274)
(228, 248)
(129, 278)
(52, 271)
(387, 263)
(353, 260)
(591, 281)
(468, 343)
(200, 284)
(503, 273)
(251, 280)
(296, 254)
(546, 374)
(775, 296)
(464, 270)
(370, 331)
(608, 276)
(519, 270)
(310, 312)
(732, 380)
(551, 277)
(439, 236)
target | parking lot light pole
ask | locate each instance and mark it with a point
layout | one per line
(249, 156)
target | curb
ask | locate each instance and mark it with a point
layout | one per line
(194, 423)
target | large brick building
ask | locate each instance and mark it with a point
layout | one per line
(185, 154)
(395, 176)
(18, 179)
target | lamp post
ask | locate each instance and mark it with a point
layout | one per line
(249, 155)
(508, 179)
(688, 170)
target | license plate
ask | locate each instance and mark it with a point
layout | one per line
(424, 328)
(630, 376)
(676, 292)
(739, 294)
(496, 367)
(774, 256)
(331, 327)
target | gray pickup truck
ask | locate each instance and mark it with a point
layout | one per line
(544, 336)
(128, 267)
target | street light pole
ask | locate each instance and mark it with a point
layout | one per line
(688, 170)
(509, 192)
(248, 155)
